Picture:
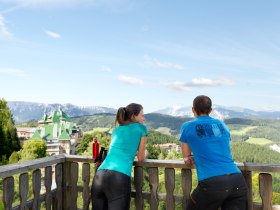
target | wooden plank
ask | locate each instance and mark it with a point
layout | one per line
(73, 185)
(58, 198)
(186, 186)
(152, 163)
(259, 167)
(138, 183)
(79, 158)
(22, 167)
(8, 192)
(86, 190)
(153, 181)
(265, 189)
(248, 178)
(36, 184)
(170, 186)
(66, 186)
(48, 186)
(23, 190)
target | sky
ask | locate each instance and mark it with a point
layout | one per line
(159, 53)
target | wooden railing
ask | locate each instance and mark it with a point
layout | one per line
(56, 184)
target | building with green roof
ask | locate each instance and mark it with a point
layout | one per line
(59, 132)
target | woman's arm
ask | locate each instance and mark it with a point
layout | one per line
(141, 149)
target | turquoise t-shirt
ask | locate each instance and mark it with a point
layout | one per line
(209, 140)
(124, 145)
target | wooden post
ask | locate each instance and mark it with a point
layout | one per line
(248, 178)
(265, 189)
(58, 198)
(36, 184)
(48, 186)
(73, 186)
(153, 182)
(66, 185)
(170, 186)
(86, 189)
(23, 190)
(8, 192)
(138, 182)
(186, 186)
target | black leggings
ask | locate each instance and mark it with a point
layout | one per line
(110, 191)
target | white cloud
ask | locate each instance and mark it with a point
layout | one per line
(47, 3)
(198, 82)
(177, 85)
(53, 34)
(4, 33)
(162, 64)
(105, 68)
(209, 82)
(130, 80)
(12, 71)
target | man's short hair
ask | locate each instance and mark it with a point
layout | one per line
(202, 105)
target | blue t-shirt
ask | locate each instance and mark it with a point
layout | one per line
(209, 140)
(124, 145)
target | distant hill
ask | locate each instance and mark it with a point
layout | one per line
(222, 112)
(26, 111)
(259, 128)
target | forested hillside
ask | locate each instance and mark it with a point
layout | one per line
(241, 129)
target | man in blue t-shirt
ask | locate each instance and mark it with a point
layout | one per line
(205, 144)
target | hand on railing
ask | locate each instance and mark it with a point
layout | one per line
(189, 161)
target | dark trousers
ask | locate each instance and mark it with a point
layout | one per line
(110, 191)
(228, 192)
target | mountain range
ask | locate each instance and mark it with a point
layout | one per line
(25, 111)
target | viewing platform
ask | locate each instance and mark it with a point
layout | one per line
(55, 184)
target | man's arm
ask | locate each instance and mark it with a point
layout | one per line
(187, 154)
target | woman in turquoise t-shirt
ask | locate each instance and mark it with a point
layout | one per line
(111, 184)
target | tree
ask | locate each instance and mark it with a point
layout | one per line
(33, 149)
(14, 158)
(153, 152)
(9, 141)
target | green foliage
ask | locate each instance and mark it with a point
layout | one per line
(86, 139)
(155, 137)
(9, 141)
(155, 120)
(84, 147)
(242, 129)
(153, 152)
(86, 123)
(267, 132)
(276, 182)
(33, 149)
(14, 158)
(275, 198)
(244, 152)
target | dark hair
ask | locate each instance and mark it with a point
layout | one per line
(124, 114)
(202, 105)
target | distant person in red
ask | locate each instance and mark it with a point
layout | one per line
(206, 143)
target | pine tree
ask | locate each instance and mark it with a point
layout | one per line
(9, 141)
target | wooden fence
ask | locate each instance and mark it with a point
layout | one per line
(55, 183)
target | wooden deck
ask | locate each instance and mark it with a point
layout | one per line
(55, 184)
